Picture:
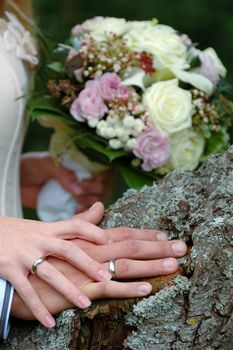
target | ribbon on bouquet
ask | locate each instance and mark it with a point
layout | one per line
(54, 203)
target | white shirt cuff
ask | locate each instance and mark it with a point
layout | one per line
(6, 297)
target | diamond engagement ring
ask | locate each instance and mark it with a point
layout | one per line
(36, 263)
(112, 267)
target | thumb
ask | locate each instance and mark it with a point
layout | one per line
(69, 181)
(94, 214)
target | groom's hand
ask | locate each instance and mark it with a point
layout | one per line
(138, 254)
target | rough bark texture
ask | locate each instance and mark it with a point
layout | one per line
(193, 311)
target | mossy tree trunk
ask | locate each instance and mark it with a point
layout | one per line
(191, 311)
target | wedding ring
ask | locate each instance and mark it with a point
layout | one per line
(112, 267)
(36, 263)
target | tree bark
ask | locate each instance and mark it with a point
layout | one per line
(192, 310)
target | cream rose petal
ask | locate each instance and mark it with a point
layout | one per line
(162, 42)
(170, 107)
(194, 79)
(187, 147)
(135, 78)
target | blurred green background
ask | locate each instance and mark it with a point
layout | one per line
(207, 22)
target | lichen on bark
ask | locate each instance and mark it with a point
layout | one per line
(196, 207)
(196, 311)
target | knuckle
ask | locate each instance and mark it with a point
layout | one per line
(39, 310)
(5, 262)
(126, 233)
(71, 293)
(45, 274)
(92, 266)
(66, 247)
(102, 289)
(122, 267)
(25, 292)
(133, 247)
(75, 224)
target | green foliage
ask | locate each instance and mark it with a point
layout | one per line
(133, 177)
(217, 143)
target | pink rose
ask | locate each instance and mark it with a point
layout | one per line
(89, 104)
(152, 148)
(109, 85)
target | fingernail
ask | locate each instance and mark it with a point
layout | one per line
(95, 205)
(105, 275)
(161, 236)
(49, 321)
(179, 248)
(83, 301)
(168, 264)
(76, 189)
(145, 289)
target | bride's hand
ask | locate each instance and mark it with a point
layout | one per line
(98, 188)
(38, 168)
(138, 254)
(23, 241)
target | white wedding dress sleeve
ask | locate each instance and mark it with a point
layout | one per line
(17, 54)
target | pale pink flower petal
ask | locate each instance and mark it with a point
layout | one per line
(109, 85)
(88, 105)
(152, 148)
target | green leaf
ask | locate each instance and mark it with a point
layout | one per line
(195, 62)
(46, 104)
(217, 143)
(134, 178)
(57, 67)
(96, 148)
(225, 88)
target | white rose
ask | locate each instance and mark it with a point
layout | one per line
(162, 42)
(217, 62)
(186, 149)
(101, 27)
(169, 106)
(141, 25)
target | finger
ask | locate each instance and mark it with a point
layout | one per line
(107, 175)
(87, 200)
(33, 301)
(135, 249)
(126, 233)
(93, 187)
(81, 210)
(29, 196)
(94, 214)
(72, 253)
(114, 289)
(60, 283)
(68, 180)
(77, 228)
(126, 268)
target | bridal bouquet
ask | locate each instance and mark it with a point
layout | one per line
(136, 95)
